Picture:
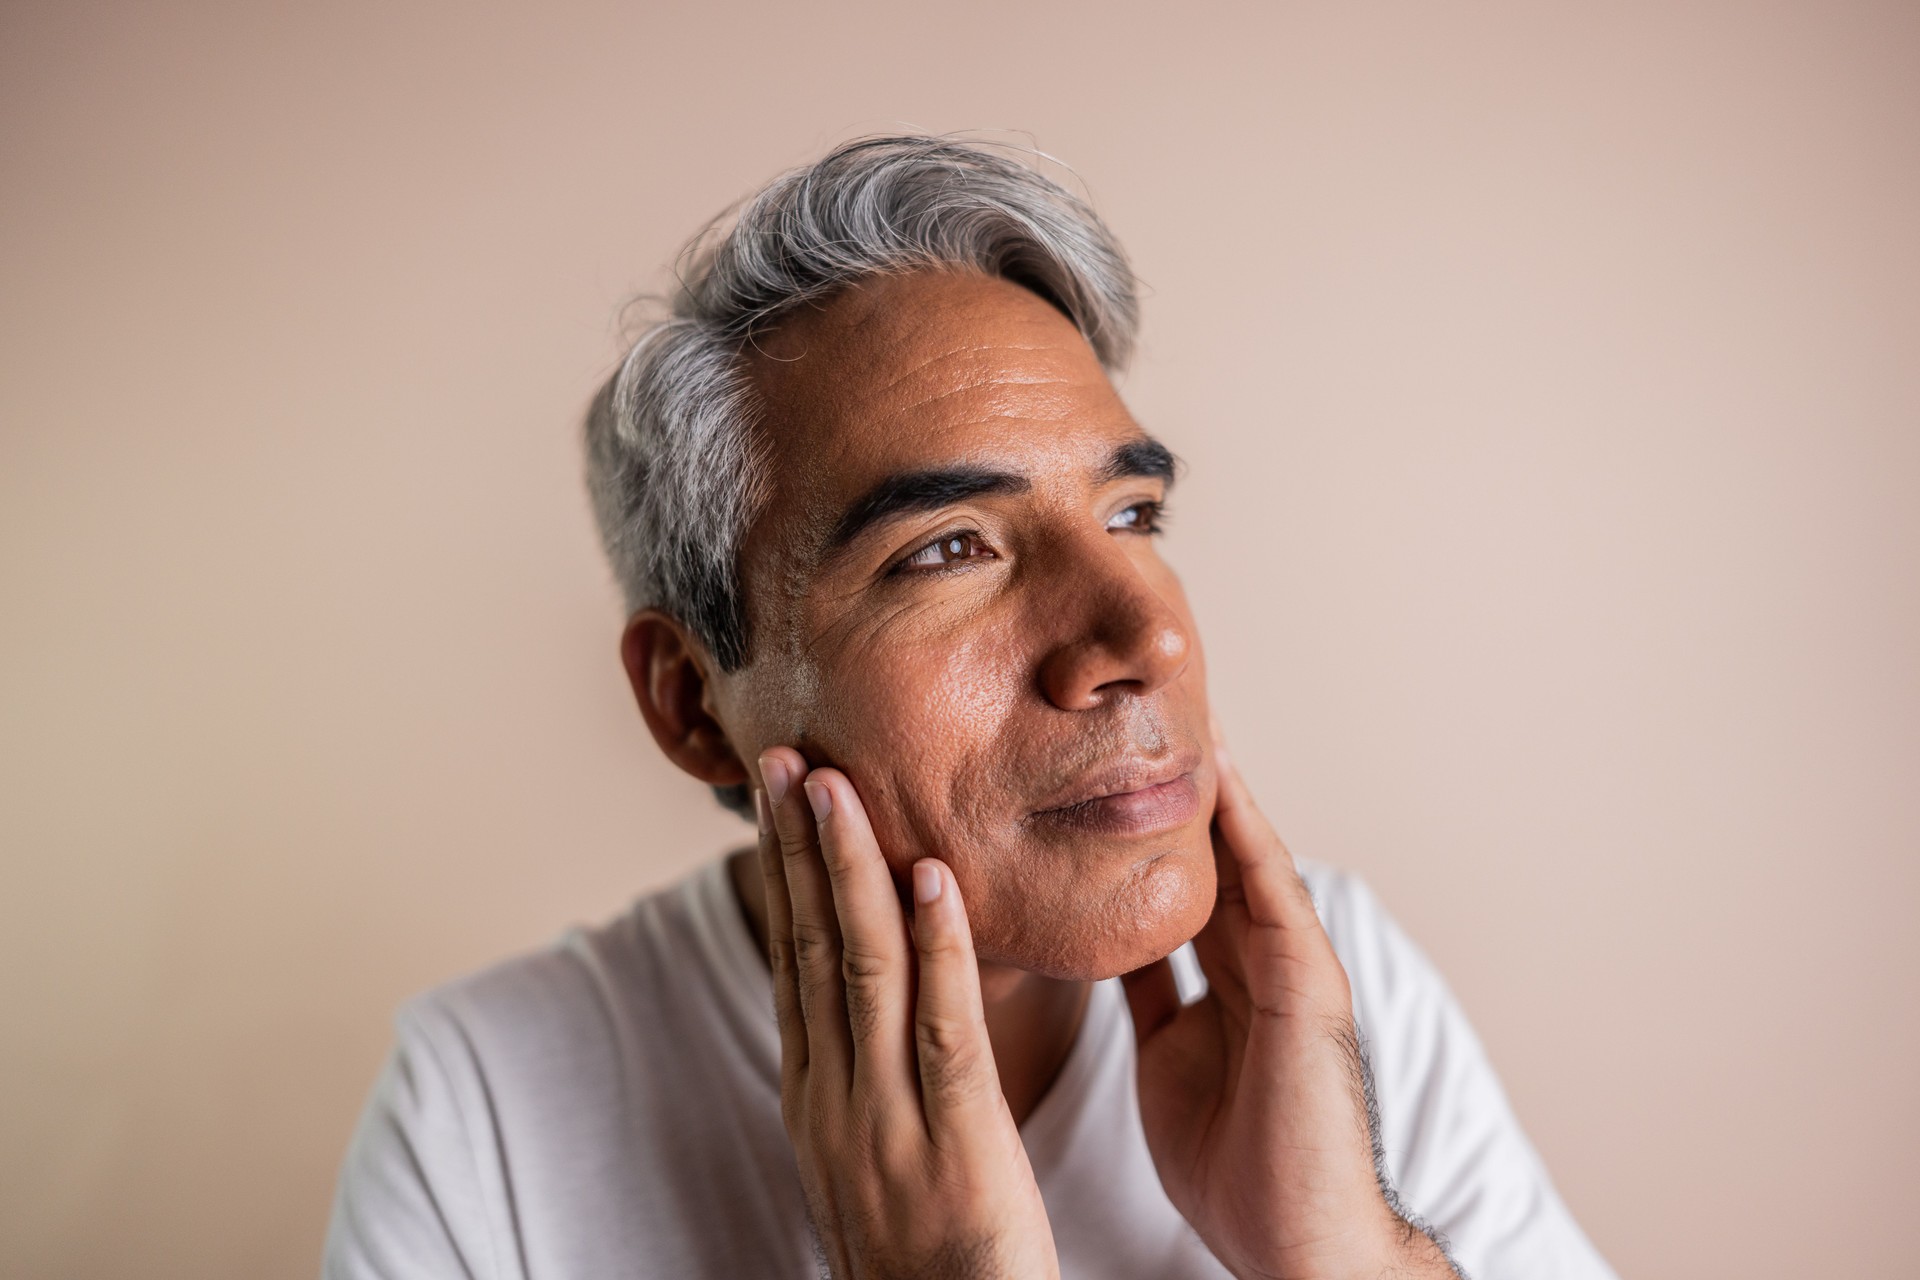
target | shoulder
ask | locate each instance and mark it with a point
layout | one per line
(673, 987)
(526, 1055)
(548, 1042)
(525, 1035)
(587, 979)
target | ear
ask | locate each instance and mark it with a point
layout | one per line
(669, 671)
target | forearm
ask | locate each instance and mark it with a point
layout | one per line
(1403, 1249)
(1420, 1255)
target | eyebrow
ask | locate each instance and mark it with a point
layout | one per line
(909, 492)
(1143, 457)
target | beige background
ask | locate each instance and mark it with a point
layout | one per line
(1550, 385)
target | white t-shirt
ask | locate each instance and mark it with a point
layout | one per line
(610, 1107)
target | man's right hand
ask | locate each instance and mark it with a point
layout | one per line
(911, 1162)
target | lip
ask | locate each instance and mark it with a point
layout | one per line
(1133, 798)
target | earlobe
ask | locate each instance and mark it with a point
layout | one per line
(669, 671)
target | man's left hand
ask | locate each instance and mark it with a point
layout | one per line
(1254, 1097)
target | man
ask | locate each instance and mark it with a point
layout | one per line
(887, 538)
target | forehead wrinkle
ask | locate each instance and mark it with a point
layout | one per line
(978, 374)
(957, 352)
(983, 384)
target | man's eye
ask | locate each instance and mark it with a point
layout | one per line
(1141, 517)
(950, 549)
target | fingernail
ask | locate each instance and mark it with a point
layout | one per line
(926, 882)
(819, 798)
(774, 774)
(762, 809)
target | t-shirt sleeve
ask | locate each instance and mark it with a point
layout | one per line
(413, 1199)
(1454, 1148)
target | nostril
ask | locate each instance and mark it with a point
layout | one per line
(1121, 634)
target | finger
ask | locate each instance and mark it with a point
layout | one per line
(959, 1086)
(815, 928)
(876, 965)
(786, 979)
(1252, 863)
(1153, 997)
(1266, 914)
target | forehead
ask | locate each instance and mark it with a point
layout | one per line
(923, 370)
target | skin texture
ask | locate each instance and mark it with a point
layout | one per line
(947, 695)
(962, 698)
(959, 701)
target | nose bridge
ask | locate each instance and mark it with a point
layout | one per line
(1113, 629)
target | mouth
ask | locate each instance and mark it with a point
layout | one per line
(1135, 797)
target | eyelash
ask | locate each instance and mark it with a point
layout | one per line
(1153, 516)
(1152, 521)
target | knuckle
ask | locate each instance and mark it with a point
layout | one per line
(950, 1057)
(781, 960)
(861, 965)
(837, 857)
(940, 946)
(867, 978)
(943, 1035)
(811, 944)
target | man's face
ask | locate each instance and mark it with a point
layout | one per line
(955, 598)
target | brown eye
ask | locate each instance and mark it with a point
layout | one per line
(1141, 517)
(951, 549)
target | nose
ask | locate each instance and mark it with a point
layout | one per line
(1122, 637)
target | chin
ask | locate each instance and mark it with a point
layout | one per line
(1086, 936)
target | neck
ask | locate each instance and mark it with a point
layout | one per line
(1031, 1020)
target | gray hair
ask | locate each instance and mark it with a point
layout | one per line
(676, 466)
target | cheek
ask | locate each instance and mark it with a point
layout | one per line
(914, 726)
